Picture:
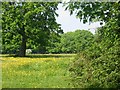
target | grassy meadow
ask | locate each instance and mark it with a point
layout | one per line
(36, 71)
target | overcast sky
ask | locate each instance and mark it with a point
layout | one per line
(71, 23)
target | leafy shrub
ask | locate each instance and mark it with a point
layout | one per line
(99, 66)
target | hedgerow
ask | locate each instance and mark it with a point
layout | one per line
(99, 66)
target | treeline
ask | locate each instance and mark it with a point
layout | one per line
(32, 25)
(70, 42)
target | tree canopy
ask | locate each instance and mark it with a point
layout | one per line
(74, 42)
(28, 25)
(91, 11)
(71, 42)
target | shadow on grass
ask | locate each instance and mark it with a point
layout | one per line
(42, 55)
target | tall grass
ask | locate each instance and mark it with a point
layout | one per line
(36, 71)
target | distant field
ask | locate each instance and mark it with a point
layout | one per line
(36, 71)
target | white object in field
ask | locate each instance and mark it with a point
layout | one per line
(28, 51)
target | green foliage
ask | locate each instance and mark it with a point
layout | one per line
(98, 66)
(92, 11)
(28, 25)
(73, 42)
(54, 44)
(70, 42)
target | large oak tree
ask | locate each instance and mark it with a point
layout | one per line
(28, 23)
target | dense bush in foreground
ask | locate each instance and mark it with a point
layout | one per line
(99, 66)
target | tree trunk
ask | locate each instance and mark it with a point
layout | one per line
(22, 52)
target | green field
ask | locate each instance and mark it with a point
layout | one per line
(37, 71)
